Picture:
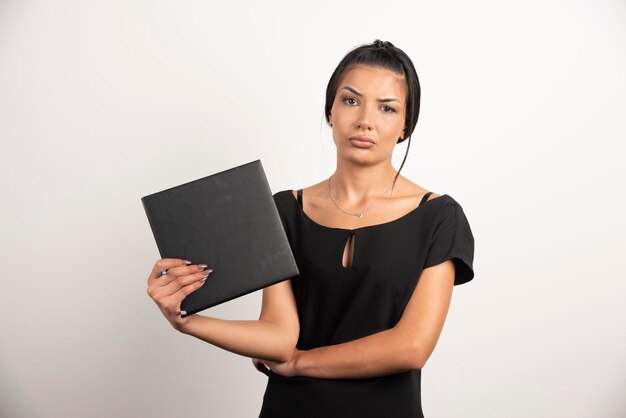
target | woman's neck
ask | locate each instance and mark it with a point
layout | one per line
(358, 183)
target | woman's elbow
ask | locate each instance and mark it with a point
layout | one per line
(417, 357)
(415, 362)
(419, 362)
(289, 346)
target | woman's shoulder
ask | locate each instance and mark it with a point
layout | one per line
(312, 190)
(413, 189)
(282, 193)
(313, 193)
(414, 192)
(282, 197)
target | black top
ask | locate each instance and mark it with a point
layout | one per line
(338, 304)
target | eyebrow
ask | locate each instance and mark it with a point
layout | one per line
(385, 100)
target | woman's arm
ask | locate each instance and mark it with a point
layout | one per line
(405, 347)
(273, 336)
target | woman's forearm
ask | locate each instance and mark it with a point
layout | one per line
(406, 346)
(378, 354)
(250, 338)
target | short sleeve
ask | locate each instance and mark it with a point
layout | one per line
(453, 240)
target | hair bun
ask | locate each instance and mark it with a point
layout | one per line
(382, 44)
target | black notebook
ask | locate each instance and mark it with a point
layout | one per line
(228, 221)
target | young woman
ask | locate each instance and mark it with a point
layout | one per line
(378, 257)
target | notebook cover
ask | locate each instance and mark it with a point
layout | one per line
(228, 221)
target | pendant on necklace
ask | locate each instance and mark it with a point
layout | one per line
(359, 214)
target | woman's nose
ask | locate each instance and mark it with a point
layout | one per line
(365, 124)
(365, 118)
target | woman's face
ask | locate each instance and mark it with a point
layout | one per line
(370, 103)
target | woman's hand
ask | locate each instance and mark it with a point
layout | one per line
(287, 368)
(169, 290)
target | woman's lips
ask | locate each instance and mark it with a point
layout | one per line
(361, 142)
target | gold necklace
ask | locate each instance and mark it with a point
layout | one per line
(358, 214)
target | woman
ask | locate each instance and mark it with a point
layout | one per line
(378, 257)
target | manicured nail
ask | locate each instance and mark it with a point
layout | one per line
(186, 262)
(202, 266)
(203, 280)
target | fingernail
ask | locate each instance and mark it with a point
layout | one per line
(186, 262)
(203, 280)
(202, 266)
(205, 273)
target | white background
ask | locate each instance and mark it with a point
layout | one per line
(103, 102)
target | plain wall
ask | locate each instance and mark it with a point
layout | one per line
(103, 102)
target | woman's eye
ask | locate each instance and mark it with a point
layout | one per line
(388, 109)
(350, 100)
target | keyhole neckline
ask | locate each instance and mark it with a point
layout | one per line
(349, 248)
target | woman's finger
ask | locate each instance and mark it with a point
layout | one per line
(173, 284)
(260, 366)
(183, 292)
(175, 273)
(164, 264)
(170, 304)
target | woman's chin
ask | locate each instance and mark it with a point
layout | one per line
(359, 157)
